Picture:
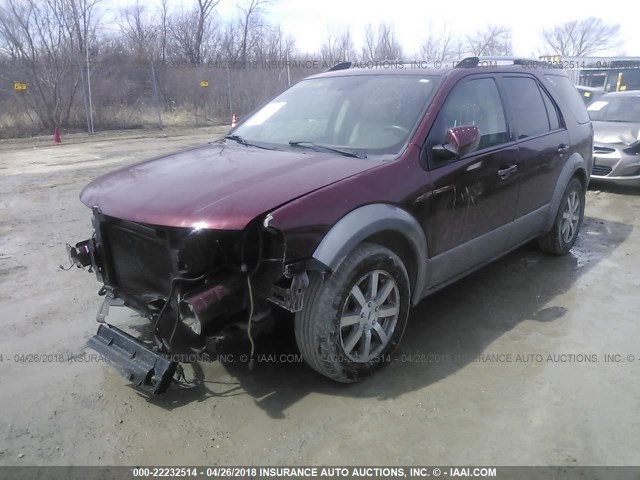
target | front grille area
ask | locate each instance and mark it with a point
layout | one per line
(139, 258)
(602, 150)
(601, 170)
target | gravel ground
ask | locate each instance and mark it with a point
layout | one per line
(508, 366)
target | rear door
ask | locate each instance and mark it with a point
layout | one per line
(543, 144)
(474, 197)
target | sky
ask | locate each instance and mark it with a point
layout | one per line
(310, 21)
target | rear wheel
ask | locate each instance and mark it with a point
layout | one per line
(352, 321)
(562, 236)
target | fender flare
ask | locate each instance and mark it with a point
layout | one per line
(365, 221)
(574, 163)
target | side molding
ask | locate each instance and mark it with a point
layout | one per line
(365, 221)
(573, 164)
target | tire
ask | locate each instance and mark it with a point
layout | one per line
(562, 236)
(340, 353)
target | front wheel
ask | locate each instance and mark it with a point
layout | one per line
(352, 321)
(564, 233)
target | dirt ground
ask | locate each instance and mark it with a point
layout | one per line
(508, 366)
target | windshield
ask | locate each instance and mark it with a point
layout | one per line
(589, 96)
(615, 109)
(365, 114)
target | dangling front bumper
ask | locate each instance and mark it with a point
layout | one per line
(140, 365)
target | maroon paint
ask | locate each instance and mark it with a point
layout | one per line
(216, 186)
(222, 187)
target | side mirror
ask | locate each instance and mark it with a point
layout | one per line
(460, 141)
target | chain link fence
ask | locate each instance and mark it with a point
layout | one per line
(114, 94)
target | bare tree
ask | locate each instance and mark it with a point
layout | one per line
(369, 48)
(138, 30)
(271, 44)
(381, 43)
(389, 47)
(582, 37)
(81, 19)
(164, 19)
(338, 47)
(203, 11)
(249, 21)
(193, 30)
(440, 47)
(54, 45)
(229, 47)
(493, 40)
(38, 46)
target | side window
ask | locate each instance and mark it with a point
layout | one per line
(529, 112)
(473, 102)
(563, 88)
(552, 112)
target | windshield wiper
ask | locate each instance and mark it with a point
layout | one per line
(242, 141)
(315, 146)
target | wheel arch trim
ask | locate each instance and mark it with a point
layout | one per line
(363, 222)
(575, 163)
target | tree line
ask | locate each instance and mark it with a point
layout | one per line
(87, 68)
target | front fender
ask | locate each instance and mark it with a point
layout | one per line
(361, 223)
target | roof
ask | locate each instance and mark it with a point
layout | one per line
(592, 63)
(626, 93)
(400, 67)
(590, 89)
(503, 61)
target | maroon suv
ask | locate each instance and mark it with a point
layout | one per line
(345, 201)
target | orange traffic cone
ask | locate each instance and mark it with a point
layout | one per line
(56, 136)
(233, 121)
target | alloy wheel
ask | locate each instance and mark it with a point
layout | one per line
(570, 217)
(369, 316)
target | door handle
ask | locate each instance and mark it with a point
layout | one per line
(505, 173)
(563, 147)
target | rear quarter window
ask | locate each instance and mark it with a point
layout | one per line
(527, 105)
(563, 88)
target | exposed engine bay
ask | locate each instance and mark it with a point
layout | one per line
(192, 284)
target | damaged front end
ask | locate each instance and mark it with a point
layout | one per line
(192, 284)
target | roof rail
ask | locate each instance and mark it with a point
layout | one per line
(340, 66)
(471, 62)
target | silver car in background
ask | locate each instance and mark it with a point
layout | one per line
(590, 94)
(616, 142)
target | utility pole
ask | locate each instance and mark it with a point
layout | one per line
(229, 90)
(288, 71)
(89, 89)
(84, 96)
(155, 94)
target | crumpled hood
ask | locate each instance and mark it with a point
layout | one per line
(217, 186)
(615, 132)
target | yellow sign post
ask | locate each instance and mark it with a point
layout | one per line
(619, 82)
(19, 87)
(204, 84)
